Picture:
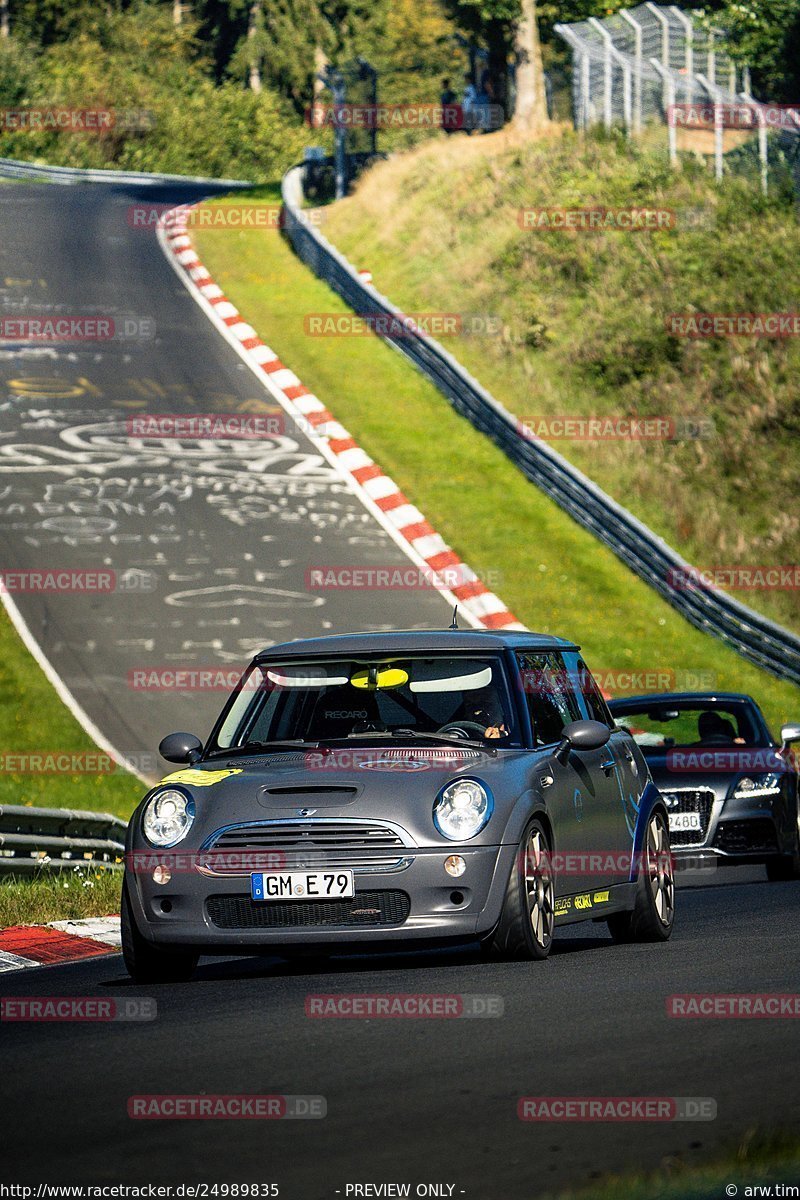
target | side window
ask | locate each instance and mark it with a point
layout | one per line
(552, 703)
(596, 707)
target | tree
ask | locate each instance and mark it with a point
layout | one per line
(254, 28)
(766, 37)
(508, 30)
(531, 107)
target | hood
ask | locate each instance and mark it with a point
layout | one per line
(714, 767)
(397, 784)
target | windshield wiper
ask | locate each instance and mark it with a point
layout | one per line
(258, 747)
(441, 739)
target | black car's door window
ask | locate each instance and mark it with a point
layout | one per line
(551, 701)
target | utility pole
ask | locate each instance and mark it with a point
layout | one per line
(4, 25)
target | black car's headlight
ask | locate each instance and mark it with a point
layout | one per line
(462, 808)
(167, 817)
(751, 786)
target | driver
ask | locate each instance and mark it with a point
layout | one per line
(711, 727)
(484, 709)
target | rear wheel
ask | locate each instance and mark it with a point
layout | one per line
(788, 865)
(147, 963)
(654, 910)
(526, 923)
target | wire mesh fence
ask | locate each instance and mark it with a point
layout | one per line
(652, 64)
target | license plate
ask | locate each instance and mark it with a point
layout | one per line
(302, 885)
(683, 822)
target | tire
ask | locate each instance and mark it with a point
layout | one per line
(147, 963)
(787, 866)
(653, 912)
(525, 929)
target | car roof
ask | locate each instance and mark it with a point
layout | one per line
(412, 640)
(660, 698)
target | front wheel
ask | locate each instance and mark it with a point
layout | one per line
(525, 929)
(147, 963)
(654, 909)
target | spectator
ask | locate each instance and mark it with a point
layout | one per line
(470, 104)
(450, 116)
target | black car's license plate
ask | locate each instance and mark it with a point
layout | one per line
(302, 885)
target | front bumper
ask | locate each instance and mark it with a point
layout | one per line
(187, 911)
(739, 830)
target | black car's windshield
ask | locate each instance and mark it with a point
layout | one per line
(319, 701)
(660, 727)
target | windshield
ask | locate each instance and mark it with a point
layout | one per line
(658, 728)
(317, 700)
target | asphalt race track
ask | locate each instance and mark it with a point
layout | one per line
(209, 541)
(416, 1101)
(220, 539)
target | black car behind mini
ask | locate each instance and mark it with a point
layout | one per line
(732, 790)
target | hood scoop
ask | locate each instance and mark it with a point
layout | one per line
(308, 795)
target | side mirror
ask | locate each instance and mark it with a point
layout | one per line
(180, 748)
(582, 735)
(789, 733)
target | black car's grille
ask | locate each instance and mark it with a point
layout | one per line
(747, 837)
(366, 909)
(307, 843)
(689, 800)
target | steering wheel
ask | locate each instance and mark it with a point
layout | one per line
(463, 729)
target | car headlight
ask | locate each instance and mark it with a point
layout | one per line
(760, 785)
(462, 808)
(168, 817)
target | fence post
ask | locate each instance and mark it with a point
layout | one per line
(688, 29)
(732, 77)
(763, 150)
(669, 91)
(586, 91)
(715, 96)
(663, 21)
(637, 68)
(607, 70)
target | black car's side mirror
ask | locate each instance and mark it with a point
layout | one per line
(180, 748)
(582, 735)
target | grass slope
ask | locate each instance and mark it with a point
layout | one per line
(33, 720)
(584, 320)
(554, 575)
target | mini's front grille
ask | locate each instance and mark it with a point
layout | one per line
(309, 843)
(308, 835)
(365, 910)
(689, 800)
(747, 837)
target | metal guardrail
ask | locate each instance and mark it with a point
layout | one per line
(58, 839)
(754, 636)
(15, 168)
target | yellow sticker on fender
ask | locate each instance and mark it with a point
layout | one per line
(200, 778)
